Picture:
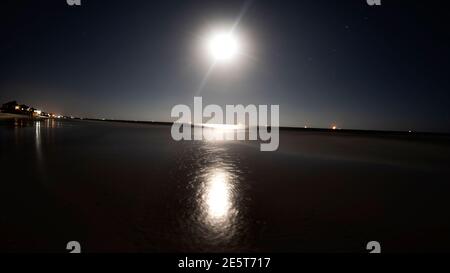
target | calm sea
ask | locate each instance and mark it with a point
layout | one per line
(125, 187)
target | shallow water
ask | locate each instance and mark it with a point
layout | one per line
(130, 188)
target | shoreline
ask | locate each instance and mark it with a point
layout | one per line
(309, 129)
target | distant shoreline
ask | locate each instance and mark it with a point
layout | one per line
(286, 128)
(6, 116)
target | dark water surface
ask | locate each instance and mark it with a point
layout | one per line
(130, 188)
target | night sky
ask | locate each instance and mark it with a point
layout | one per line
(323, 62)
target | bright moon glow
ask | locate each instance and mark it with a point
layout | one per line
(223, 46)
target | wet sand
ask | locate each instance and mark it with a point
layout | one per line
(118, 187)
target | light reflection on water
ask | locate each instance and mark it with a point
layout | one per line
(42, 132)
(216, 203)
(205, 206)
(221, 132)
(37, 135)
(217, 196)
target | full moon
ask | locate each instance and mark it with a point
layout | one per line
(223, 46)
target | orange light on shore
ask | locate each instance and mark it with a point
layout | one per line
(334, 127)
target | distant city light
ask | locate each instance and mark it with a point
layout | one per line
(38, 112)
(17, 107)
(334, 127)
